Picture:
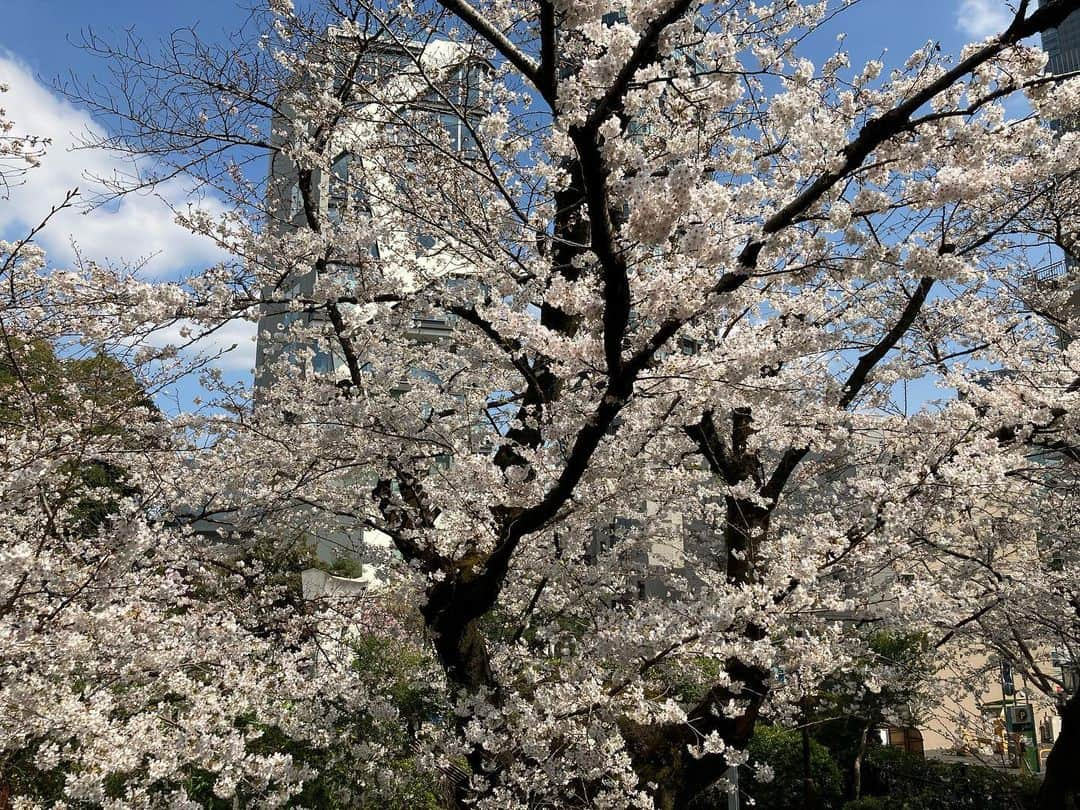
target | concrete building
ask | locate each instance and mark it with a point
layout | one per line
(660, 554)
(1063, 45)
(400, 75)
(403, 73)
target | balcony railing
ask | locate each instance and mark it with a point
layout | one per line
(1049, 275)
(430, 329)
(1064, 60)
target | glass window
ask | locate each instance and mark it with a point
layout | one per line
(425, 242)
(452, 124)
(424, 375)
(345, 192)
(375, 64)
(288, 319)
(323, 362)
(466, 85)
(296, 201)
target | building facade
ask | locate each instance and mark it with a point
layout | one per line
(398, 92)
(1063, 45)
(407, 99)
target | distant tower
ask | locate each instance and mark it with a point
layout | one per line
(1062, 44)
(342, 191)
(463, 92)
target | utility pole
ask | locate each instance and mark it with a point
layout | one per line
(732, 776)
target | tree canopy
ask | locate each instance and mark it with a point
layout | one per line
(591, 319)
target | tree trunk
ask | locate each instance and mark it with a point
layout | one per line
(1061, 785)
(856, 766)
(810, 797)
(661, 753)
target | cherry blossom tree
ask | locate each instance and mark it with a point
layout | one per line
(1018, 564)
(656, 467)
(144, 665)
(18, 152)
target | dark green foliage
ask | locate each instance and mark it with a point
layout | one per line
(914, 783)
(876, 803)
(893, 780)
(21, 776)
(783, 750)
(62, 386)
(39, 391)
(102, 485)
(347, 567)
(334, 787)
(844, 709)
(402, 667)
(691, 677)
(841, 735)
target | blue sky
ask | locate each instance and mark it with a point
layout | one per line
(38, 31)
(38, 45)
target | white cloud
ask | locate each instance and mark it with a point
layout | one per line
(238, 334)
(983, 18)
(133, 228)
(130, 230)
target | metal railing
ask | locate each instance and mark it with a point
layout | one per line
(1049, 275)
(1064, 60)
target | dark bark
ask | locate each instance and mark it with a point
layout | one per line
(811, 801)
(856, 766)
(1061, 785)
(459, 644)
(660, 754)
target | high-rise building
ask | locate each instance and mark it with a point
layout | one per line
(345, 190)
(1063, 45)
(394, 96)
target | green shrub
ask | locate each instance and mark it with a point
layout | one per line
(876, 803)
(914, 783)
(782, 749)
